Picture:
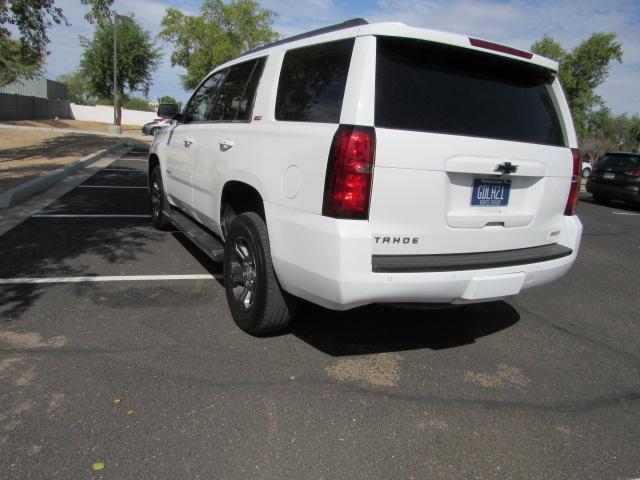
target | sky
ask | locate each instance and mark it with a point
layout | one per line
(517, 23)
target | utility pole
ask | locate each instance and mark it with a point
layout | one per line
(115, 68)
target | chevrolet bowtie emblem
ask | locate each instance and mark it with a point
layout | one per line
(506, 168)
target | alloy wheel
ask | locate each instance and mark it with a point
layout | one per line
(243, 273)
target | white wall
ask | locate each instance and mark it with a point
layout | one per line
(104, 114)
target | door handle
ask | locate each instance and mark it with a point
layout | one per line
(188, 141)
(168, 171)
(226, 144)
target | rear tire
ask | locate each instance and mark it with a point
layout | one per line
(600, 199)
(586, 172)
(158, 200)
(258, 304)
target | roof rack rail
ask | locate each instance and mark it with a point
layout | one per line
(354, 22)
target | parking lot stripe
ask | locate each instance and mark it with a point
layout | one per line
(108, 186)
(112, 278)
(68, 215)
(110, 169)
(625, 213)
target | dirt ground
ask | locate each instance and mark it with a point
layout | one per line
(75, 125)
(27, 154)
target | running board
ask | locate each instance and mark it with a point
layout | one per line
(204, 240)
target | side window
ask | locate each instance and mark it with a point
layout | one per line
(312, 82)
(246, 107)
(235, 101)
(201, 101)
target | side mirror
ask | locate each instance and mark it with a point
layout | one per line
(168, 110)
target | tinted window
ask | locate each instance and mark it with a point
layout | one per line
(246, 106)
(619, 161)
(237, 94)
(201, 101)
(434, 88)
(312, 82)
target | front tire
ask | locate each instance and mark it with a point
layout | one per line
(586, 172)
(158, 200)
(258, 304)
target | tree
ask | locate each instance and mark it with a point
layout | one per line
(582, 70)
(136, 103)
(138, 58)
(168, 99)
(24, 57)
(77, 87)
(607, 133)
(16, 62)
(220, 32)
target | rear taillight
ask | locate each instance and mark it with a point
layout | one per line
(347, 186)
(633, 173)
(574, 192)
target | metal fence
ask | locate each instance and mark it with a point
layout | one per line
(37, 87)
(37, 98)
(20, 107)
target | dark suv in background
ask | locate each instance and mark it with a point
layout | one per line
(616, 176)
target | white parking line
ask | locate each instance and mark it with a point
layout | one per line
(108, 186)
(111, 169)
(114, 278)
(67, 215)
(625, 213)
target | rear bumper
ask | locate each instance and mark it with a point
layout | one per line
(329, 262)
(630, 193)
(467, 261)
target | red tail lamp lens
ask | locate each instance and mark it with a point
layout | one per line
(347, 187)
(574, 192)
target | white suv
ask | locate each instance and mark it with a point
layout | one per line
(373, 163)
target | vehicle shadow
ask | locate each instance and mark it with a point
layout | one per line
(381, 329)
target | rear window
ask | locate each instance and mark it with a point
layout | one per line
(430, 87)
(619, 160)
(312, 82)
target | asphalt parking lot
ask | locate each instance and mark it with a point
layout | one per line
(147, 373)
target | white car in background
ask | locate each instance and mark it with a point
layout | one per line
(373, 163)
(152, 128)
(166, 111)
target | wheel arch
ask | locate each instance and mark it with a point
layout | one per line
(239, 197)
(153, 161)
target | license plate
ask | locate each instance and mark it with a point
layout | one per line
(490, 192)
(609, 175)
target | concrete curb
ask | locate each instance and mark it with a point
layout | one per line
(13, 216)
(32, 187)
(71, 130)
